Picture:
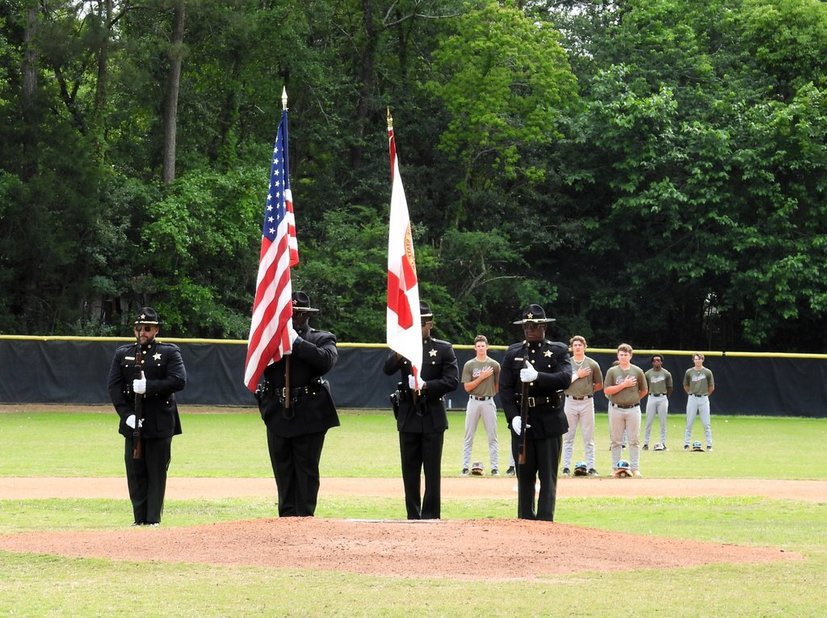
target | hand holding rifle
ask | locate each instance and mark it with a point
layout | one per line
(527, 375)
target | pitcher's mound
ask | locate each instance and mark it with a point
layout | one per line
(460, 549)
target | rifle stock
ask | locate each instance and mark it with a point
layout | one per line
(137, 438)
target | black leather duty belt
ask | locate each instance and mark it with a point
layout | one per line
(579, 398)
(300, 390)
(535, 402)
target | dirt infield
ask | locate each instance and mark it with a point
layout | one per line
(484, 549)
(452, 487)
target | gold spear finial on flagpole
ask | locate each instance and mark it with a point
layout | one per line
(390, 119)
(284, 98)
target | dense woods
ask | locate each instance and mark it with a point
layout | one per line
(652, 171)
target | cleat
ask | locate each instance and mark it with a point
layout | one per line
(645, 447)
(464, 472)
(593, 472)
(495, 472)
(636, 473)
(511, 471)
(566, 472)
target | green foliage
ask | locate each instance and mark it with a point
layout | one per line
(505, 81)
(597, 157)
(345, 274)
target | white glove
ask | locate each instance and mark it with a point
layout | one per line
(412, 383)
(517, 423)
(130, 421)
(139, 386)
(528, 373)
(293, 335)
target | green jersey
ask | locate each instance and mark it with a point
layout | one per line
(628, 396)
(659, 381)
(584, 387)
(698, 381)
(471, 371)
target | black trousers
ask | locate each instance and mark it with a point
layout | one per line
(295, 464)
(542, 461)
(147, 478)
(421, 452)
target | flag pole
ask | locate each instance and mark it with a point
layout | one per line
(287, 396)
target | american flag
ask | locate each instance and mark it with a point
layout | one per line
(272, 308)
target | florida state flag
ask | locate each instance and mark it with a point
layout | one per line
(403, 327)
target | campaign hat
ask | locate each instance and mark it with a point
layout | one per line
(534, 313)
(148, 315)
(301, 302)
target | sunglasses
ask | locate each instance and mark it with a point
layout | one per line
(145, 328)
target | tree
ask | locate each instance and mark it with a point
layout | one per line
(505, 82)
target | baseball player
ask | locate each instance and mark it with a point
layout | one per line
(699, 384)
(579, 404)
(625, 386)
(481, 380)
(660, 389)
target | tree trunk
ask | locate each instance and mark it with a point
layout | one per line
(29, 59)
(105, 21)
(173, 86)
(367, 79)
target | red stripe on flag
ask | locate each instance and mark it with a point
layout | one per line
(272, 305)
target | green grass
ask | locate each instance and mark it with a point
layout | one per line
(86, 444)
(228, 445)
(41, 585)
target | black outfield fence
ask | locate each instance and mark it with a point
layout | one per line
(69, 370)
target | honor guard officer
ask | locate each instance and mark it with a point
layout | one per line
(534, 374)
(296, 405)
(143, 379)
(421, 419)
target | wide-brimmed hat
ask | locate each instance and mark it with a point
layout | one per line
(301, 302)
(425, 310)
(534, 313)
(148, 315)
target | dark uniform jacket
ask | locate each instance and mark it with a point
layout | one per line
(440, 375)
(165, 374)
(553, 364)
(312, 409)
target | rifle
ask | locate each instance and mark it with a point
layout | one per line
(523, 414)
(137, 440)
(524, 418)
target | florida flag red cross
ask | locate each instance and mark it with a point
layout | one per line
(272, 307)
(403, 328)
